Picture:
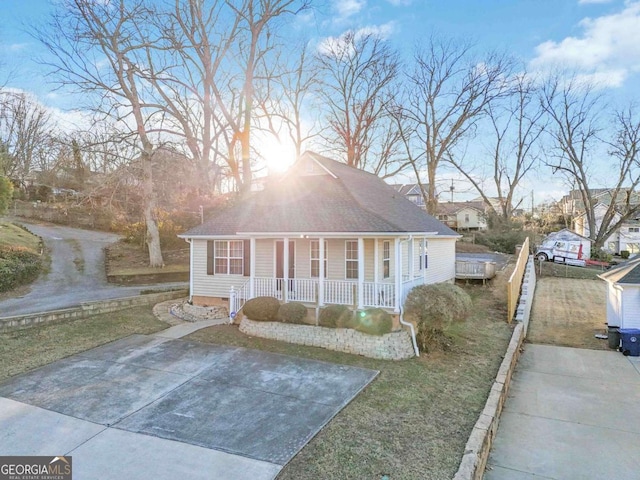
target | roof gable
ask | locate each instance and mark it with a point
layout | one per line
(625, 273)
(343, 200)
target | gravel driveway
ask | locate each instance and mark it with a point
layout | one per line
(76, 275)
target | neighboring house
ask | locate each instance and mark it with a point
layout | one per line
(462, 215)
(627, 237)
(623, 294)
(324, 233)
(412, 192)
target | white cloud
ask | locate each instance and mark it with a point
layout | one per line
(339, 46)
(348, 8)
(608, 49)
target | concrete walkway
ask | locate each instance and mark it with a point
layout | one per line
(571, 414)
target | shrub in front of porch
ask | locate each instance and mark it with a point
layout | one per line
(373, 321)
(336, 316)
(292, 312)
(433, 308)
(263, 309)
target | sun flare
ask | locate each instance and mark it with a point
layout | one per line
(279, 156)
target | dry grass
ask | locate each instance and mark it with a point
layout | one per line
(14, 236)
(413, 420)
(128, 259)
(28, 348)
(568, 312)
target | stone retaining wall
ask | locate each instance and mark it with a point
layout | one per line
(476, 451)
(89, 308)
(392, 346)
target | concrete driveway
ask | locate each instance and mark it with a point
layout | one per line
(77, 272)
(152, 407)
(571, 413)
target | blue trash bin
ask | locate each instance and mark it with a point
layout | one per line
(630, 339)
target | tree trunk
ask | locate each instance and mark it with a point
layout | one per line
(153, 233)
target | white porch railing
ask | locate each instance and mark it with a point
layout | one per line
(237, 299)
(379, 295)
(341, 292)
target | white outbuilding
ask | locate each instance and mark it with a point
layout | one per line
(623, 294)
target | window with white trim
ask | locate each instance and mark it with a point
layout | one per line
(386, 259)
(229, 257)
(351, 259)
(315, 258)
(634, 229)
(423, 257)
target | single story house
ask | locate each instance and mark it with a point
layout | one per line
(323, 233)
(623, 294)
(462, 215)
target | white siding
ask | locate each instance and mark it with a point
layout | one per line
(265, 250)
(631, 307)
(613, 305)
(211, 285)
(441, 260)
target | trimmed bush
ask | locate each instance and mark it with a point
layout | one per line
(433, 308)
(262, 309)
(373, 321)
(336, 316)
(292, 312)
(17, 267)
(624, 254)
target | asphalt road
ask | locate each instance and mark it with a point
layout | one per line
(76, 274)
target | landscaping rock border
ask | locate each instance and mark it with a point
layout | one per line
(392, 346)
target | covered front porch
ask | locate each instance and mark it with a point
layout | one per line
(381, 271)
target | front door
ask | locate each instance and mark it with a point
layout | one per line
(280, 262)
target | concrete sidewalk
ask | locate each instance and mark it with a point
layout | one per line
(571, 413)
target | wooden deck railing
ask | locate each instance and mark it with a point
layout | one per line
(515, 281)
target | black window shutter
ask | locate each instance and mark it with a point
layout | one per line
(247, 258)
(209, 257)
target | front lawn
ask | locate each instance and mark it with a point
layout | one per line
(21, 258)
(413, 420)
(28, 348)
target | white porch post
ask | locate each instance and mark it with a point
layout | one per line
(376, 261)
(191, 246)
(360, 272)
(285, 268)
(411, 254)
(423, 249)
(252, 267)
(398, 272)
(321, 272)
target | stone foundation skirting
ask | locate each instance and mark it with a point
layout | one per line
(392, 346)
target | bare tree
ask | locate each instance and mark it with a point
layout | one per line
(448, 93)
(285, 98)
(516, 124)
(574, 109)
(358, 74)
(25, 130)
(99, 49)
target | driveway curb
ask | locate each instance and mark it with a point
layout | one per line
(476, 452)
(87, 309)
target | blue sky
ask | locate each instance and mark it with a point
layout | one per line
(598, 38)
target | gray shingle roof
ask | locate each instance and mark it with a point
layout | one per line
(627, 272)
(353, 201)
